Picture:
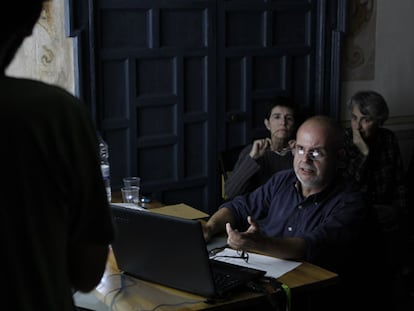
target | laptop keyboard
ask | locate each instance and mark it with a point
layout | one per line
(225, 282)
(228, 276)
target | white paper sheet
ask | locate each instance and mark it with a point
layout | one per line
(274, 267)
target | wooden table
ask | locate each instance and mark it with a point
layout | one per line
(117, 198)
(122, 292)
(125, 293)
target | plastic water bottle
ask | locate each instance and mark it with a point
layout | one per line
(104, 153)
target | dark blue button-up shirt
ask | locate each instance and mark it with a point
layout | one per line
(329, 221)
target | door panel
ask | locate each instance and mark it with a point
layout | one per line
(171, 84)
(277, 57)
(154, 59)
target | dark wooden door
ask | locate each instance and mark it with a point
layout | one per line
(269, 48)
(172, 83)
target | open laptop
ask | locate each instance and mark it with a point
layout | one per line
(171, 251)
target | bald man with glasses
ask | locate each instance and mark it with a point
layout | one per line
(308, 213)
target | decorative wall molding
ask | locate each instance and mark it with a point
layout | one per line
(47, 55)
(401, 120)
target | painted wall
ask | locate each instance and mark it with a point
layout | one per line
(47, 55)
(394, 58)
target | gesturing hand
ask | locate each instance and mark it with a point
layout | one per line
(259, 147)
(243, 240)
(359, 142)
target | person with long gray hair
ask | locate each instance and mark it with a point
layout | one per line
(373, 159)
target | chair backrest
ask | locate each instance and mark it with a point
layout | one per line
(227, 160)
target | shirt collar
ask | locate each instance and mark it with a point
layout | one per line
(317, 197)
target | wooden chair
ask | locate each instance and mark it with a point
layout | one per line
(227, 160)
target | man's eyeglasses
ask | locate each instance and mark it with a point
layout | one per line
(240, 254)
(313, 154)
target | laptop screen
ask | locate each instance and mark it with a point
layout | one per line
(163, 249)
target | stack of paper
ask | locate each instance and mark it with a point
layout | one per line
(274, 267)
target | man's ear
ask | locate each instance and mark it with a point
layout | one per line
(267, 123)
(292, 145)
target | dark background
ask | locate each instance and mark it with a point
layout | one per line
(171, 84)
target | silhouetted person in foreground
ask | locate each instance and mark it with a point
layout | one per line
(55, 223)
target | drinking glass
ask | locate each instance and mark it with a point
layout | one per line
(131, 181)
(130, 194)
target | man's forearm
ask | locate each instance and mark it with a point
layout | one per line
(217, 222)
